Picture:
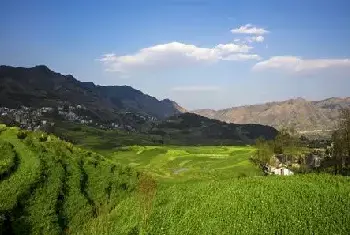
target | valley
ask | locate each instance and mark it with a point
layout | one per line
(49, 186)
(175, 117)
(77, 158)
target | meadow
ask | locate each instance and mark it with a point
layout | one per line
(49, 186)
(187, 163)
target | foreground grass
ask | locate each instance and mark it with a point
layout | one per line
(49, 186)
(310, 204)
(53, 187)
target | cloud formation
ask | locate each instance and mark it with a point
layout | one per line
(258, 38)
(298, 64)
(249, 29)
(176, 53)
(196, 88)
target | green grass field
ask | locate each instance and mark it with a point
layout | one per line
(308, 204)
(49, 186)
(179, 163)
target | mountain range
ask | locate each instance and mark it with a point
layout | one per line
(150, 120)
(307, 117)
(39, 86)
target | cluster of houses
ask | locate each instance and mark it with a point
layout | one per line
(282, 164)
(27, 118)
(37, 118)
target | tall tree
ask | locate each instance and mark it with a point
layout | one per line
(264, 151)
(341, 142)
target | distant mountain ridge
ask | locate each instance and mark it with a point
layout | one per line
(39, 86)
(305, 116)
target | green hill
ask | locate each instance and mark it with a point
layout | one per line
(48, 186)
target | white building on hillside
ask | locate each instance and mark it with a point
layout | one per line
(280, 170)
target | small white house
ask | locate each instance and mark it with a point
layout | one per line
(280, 170)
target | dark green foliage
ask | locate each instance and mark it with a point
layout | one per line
(192, 129)
(8, 159)
(43, 138)
(22, 135)
(340, 151)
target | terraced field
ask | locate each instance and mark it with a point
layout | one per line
(179, 163)
(51, 187)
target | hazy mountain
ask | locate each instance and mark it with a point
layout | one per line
(308, 117)
(39, 86)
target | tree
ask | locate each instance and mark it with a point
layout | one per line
(286, 142)
(341, 142)
(264, 151)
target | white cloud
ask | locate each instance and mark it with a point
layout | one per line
(242, 57)
(258, 39)
(175, 53)
(196, 88)
(298, 64)
(254, 39)
(249, 29)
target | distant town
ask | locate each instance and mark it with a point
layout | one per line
(41, 118)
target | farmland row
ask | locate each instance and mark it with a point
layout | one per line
(53, 187)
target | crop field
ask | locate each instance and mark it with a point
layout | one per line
(307, 204)
(49, 186)
(179, 163)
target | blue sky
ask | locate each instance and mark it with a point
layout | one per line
(200, 53)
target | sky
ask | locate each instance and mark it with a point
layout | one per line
(200, 53)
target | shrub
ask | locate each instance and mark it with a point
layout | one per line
(22, 135)
(43, 138)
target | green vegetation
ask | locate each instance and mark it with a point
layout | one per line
(8, 159)
(179, 163)
(101, 140)
(50, 186)
(286, 143)
(306, 204)
(55, 186)
(340, 159)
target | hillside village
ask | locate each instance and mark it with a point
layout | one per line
(42, 118)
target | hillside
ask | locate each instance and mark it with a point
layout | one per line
(48, 186)
(39, 87)
(192, 129)
(307, 117)
(183, 129)
(113, 115)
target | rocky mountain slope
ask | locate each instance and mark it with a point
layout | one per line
(39, 86)
(308, 117)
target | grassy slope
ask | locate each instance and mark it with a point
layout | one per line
(309, 204)
(58, 187)
(179, 163)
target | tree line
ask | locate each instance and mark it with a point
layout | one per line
(335, 155)
(340, 151)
